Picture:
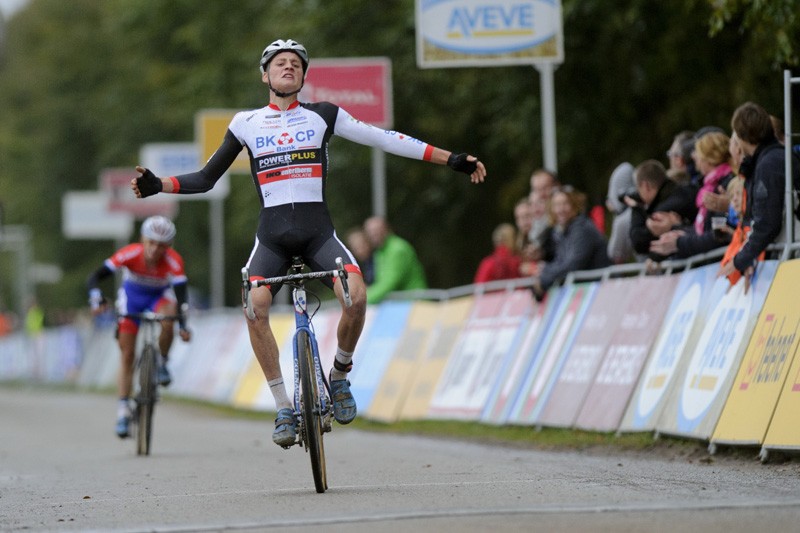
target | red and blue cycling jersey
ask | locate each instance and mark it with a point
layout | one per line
(139, 277)
(144, 287)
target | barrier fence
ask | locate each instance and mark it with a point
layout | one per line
(679, 354)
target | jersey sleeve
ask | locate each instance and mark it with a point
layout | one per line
(204, 180)
(177, 274)
(393, 142)
(124, 256)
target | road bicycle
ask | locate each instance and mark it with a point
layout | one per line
(146, 386)
(313, 408)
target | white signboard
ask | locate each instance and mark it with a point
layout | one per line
(85, 215)
(488, 33)
(174, 159)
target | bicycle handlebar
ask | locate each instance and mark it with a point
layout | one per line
(247, 285)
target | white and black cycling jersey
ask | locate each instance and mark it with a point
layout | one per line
(288, 153)
(288, 150)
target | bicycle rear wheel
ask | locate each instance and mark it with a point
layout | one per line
(145, 401)
(310, 410)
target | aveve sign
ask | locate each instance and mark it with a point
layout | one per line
(362, 86)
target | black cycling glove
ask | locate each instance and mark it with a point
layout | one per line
(149, 184)
(459, 163)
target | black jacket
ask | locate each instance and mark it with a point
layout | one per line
(765, 184)
(670, 197)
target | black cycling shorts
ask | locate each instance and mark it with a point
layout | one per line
(303, 229)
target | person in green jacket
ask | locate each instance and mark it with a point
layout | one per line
(397, 267)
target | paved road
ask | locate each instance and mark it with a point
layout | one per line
(62, 469)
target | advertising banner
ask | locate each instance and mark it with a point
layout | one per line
(696, 401)
(450, 320)
(459, 33)
(252, 391)
(572, 379)
(407, 358)
(485, 343)
(360, 85)
(209, 366)
(507, 385)
(690, 296)
(375, 350)
(627, 352)
(765, 366)
(784, 431)
(573, 300)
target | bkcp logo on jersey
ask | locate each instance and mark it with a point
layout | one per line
(284, 140)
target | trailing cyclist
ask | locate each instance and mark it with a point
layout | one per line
(153, 280)
(287, 142)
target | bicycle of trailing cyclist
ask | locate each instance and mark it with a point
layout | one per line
(313, 408)
(146, 386)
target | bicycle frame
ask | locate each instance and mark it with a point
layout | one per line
(313, 407)
(146, 360)
(303, 323)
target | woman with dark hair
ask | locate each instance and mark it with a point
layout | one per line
(579, 245)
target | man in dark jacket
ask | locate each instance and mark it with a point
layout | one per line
(765, 184)
(662, 204)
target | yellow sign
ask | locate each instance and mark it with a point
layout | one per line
(210, 126)
(407, 358)
(452, 317)
(252, 386)
(763, 371)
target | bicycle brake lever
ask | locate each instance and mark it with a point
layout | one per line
(343, 277)
(247, 300)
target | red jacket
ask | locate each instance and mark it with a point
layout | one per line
(502, 264)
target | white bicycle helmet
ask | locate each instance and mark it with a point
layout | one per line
(158, 228)
(280, 45)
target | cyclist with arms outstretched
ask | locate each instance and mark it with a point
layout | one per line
(153, 280)
(287, 142)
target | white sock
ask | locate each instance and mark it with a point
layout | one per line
(279, 393)
(344, 358)
(123, 409)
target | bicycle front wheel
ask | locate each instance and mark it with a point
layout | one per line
(145, 401)
(310, 410)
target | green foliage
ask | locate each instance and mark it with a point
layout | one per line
(85, 83)
(774, 25)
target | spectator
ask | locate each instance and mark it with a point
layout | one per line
(763, 168)
(539, 233)
(359, 245)
(397, 267)
(620, 248)
(504, 262)
(660, 205)
(523, 220)
(34, 320)
(680, 152)
(578, 243)
(543, 182)
(712, 158)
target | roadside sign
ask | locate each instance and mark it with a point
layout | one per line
(210, 126)
(488, 33)
(360, 85)
(85, 215)
(116, 184)
(174, 159)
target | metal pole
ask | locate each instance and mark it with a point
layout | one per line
(17, 239)
(378, 182)
(548, 115)
(216, 230)
(787, 126)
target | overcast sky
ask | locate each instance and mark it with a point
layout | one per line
(8, 7)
